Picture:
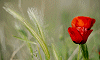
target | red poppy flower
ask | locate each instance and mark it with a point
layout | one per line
(80, 29)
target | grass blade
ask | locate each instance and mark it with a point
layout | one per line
(39, 52)
(25, 40)
(54, 52)
(31, 50)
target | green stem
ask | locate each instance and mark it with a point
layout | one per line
(31, 50)
(78, 53)
(84, 51)
(39, 52)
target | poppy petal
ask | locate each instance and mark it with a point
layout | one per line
(86, 35)
(75, 35)
(74, 22)
(82, 21)
(92, 22)
(81, 30)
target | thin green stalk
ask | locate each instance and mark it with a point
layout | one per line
(25, 37)
(39, 53)
(25, 40)
(84, 51)
(55, 53)
(31, 50)
(78, 53)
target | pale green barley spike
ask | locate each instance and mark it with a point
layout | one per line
(31, 30)
(14, 14)
(31, 13)
(41, 42)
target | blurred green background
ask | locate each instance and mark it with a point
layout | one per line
(55, 17)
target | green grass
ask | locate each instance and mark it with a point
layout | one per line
(60, 48)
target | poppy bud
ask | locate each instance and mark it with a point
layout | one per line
(81, 29)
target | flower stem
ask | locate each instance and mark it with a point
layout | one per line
(78, 53)
(84, 50)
